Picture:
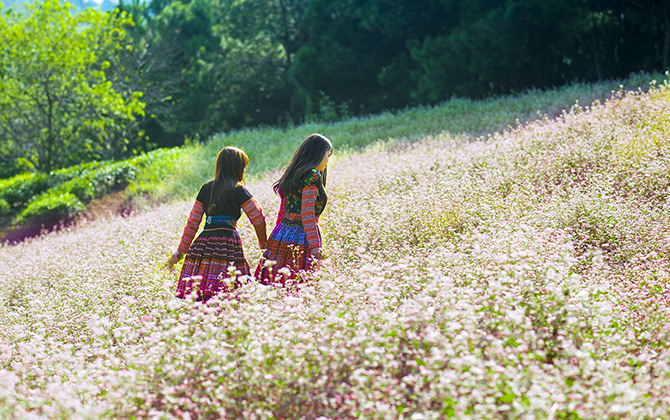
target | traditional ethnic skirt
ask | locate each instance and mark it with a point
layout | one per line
(214, 262)
(287, 254)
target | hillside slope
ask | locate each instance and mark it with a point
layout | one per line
(271, 147)
(34, 202)
(524, 275)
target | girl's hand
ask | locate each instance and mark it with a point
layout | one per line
(262, 244)
(316, 253)
(176, 257)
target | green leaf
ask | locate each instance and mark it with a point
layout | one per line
(512, 342)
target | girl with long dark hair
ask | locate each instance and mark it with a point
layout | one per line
(295, 242)
(217, 251)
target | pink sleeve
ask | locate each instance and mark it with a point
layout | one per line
(282, 211)
(254, 212)
(191, 228)
(308, 216)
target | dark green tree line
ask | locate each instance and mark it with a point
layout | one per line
(207, 66)
(250, 62)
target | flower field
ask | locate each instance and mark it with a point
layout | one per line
(524, 275)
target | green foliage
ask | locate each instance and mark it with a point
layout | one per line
(209, 66)
(172, 62)
(5, 208)
(57, 106)
(20, 189)
(50, 207)
(96, 183)
(245, 63)
(492, 49)
(62, 194)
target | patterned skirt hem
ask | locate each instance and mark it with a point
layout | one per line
(213, 265)
(286, 258)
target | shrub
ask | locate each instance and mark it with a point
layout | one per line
(95, 184)
(61, 194)
(83, 188)
(50, 208)
(5, 208)
(19, 190)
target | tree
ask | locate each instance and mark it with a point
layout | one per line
(175, 62)
(498, 47)
(357, 54)
(652, 19)
(259, 39)
(57, 105)
(156, 66)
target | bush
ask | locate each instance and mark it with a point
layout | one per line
(115, 175)
(83, 188)
(5, 208)
(19, 190)
(50, 208)
(62, 194)
(95, 184)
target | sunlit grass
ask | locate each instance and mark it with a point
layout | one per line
(270, 148)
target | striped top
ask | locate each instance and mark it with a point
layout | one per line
(306, 206)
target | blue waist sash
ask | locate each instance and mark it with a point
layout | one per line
(221, 220)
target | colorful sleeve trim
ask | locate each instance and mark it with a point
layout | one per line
(308, 217)
(192, 225)
(254, 212)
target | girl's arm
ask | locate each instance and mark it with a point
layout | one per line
(192, 225)
(254, 212)
(309, 220)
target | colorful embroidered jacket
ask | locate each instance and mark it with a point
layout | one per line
(242, 201)
(305, 206)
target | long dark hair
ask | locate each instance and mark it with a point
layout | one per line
(230, 165)
(305, 158)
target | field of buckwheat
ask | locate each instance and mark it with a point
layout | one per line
(524, 275)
